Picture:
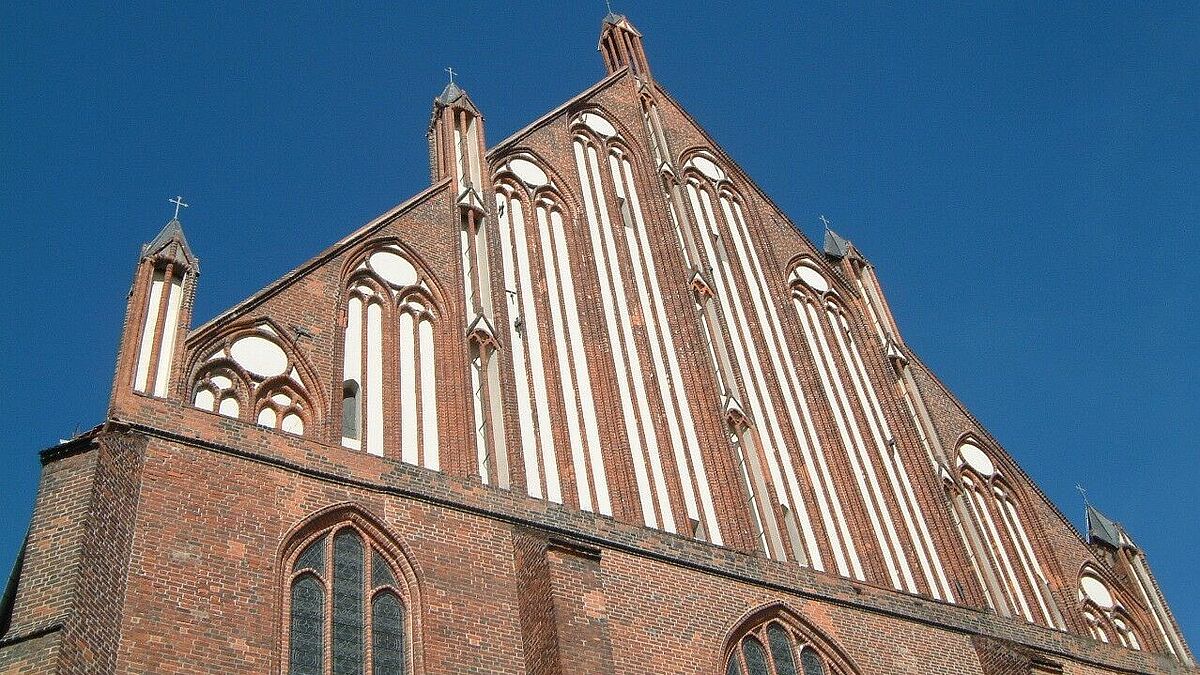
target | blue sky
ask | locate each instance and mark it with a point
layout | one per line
(1023, 175)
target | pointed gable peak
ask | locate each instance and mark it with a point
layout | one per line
(171, 244)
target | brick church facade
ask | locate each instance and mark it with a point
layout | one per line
(589, 403)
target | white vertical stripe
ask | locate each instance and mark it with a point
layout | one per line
(1010, 575)
(533, 339)
(166, 350)
(583, 375)
(618, 357)
(823, 359)
(699, 473)
(509, 212)
(574, 436)
(464, 242)
(760, 300)
(648, 320)
(931, 562)
(738, 327)
(481, 453)
(149, 332)
(837, 324)
(373, 387)
(635, 373)
(1033, 571)
(429, 421)
(408, 390)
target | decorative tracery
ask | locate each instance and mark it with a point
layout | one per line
(252, 373)
(545, 334)
(776, 642)
(1105, 616)
(631, 303)
(348, 608)
(389, 319)
(994, 513)
(866, 435)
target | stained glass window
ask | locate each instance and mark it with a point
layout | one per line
(387, 634)
(381, 572)
(781, 650)
(347, 603)
(776, 647)
(308, 627)
(811, 663)
(331, 609)
(312, 557)
(756, 657)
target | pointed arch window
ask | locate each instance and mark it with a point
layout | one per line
(545, 334)
(995, 514)
(870, 446)
(1103, 613)
(254, 374)
(389, 319)
(780, 644)
(346, 611)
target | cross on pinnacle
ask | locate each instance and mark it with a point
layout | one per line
(1083, 491)
(451, 71)
(825, 221)
(178, 202)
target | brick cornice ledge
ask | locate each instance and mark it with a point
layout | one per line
(588, 529)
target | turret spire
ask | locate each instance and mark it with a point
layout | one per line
(621, 46)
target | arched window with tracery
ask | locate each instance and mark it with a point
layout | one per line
(253, 374)
(389, 318)
(1105, 616)
(642, 348)
(546, 334)
(994, 514)
(726, 255)
(349, 605)
(870, 445)
(776, 642)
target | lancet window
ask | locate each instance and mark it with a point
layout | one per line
(347, 606)
(1011, 556)
(643, 352)
(780, 645)
(1106, 619)
(545, 334)
(389, 319)
(883, 480)
(251, 374)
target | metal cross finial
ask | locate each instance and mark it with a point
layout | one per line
(1083, 491)
(178, 202)
(451, 71)
(825, 221)
(608, 4)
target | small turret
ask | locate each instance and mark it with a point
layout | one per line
(158, 312)
(621, 46)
